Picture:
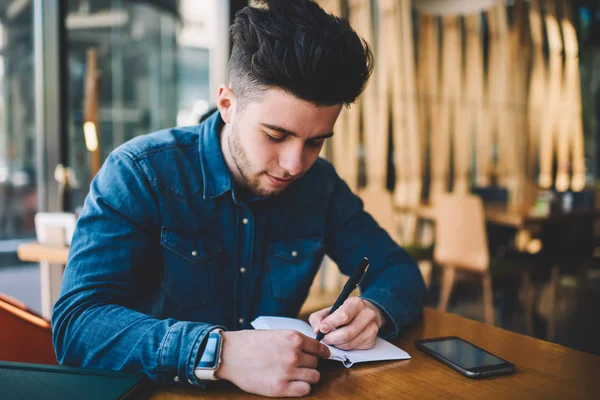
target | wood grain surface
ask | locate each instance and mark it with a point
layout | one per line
(543, 370)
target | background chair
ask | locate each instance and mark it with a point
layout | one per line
(461, 243)
(461, 249)
(24, 335)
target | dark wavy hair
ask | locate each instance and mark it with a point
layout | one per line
(296, 46)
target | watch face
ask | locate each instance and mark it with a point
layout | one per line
(210, 356)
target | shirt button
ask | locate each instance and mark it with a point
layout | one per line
(294, 253)
(245, 221)
(194, 253)
(242, 270)
(176, 379)
(241, 320)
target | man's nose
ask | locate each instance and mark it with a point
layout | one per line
(291, 159)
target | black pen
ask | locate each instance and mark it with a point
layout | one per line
(349, 287)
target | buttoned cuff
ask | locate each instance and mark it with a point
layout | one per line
(179, 352)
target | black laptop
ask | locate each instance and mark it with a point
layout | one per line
(21, 381)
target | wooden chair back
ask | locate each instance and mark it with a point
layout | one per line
(460, 237)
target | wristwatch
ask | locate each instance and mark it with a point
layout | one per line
(211, 357)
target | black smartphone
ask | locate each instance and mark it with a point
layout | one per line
(466, 358)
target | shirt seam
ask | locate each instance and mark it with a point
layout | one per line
(162, 347)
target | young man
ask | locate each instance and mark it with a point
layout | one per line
(189, 234)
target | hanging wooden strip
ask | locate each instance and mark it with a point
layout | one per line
(362, 115)
(376, 197)
(572, 124)
(564, 127)
(409, 127)
(450, 93)
(537, 88)
(361, 21)
(567, 100)
(553, 84)
(519, 54)
(429, 86)
(474, 112)
(462, 130)
(500, 117)
(389, 88)
(422, 86)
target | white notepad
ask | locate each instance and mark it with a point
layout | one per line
(381, 351)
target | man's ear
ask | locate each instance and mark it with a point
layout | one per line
(226, 102)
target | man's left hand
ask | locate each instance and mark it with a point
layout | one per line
(356, 324)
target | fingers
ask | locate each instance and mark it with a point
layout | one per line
(315, 318)
(346, 334)
(364, 340)
(360, 332)
(343, 315)
(294, 389)
(307, 345)
(309, 375)
(307, 361)
(300, 366)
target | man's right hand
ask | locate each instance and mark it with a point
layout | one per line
(272, 363)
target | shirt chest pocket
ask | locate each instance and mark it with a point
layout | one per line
(292, 266)
(190, 262)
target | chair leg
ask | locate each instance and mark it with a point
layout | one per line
(529, 301)
(447, 284)
(425, 268)
(582, 280)
(488, 304)
(551, 333)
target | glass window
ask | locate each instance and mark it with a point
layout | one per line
(134, 43)
(18, 195)
(18, 188)
(153, 61)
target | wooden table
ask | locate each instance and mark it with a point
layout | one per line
(36, 252)
(544, 370)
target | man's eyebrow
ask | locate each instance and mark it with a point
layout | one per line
(290, 133)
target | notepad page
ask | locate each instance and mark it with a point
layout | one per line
(295, 325)
(382, 350)
(283, 323)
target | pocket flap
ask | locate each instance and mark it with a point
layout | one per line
(191, 247)
(295, 249)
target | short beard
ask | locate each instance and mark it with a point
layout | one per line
(240, 158)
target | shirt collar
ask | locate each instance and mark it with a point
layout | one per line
(215, 174)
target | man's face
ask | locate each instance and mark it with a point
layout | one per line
(273, 141)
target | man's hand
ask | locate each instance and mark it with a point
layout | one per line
(273, 363)
(356, 324)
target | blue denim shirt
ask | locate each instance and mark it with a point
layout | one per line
(166, 249)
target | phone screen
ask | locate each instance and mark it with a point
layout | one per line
(464, 354)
